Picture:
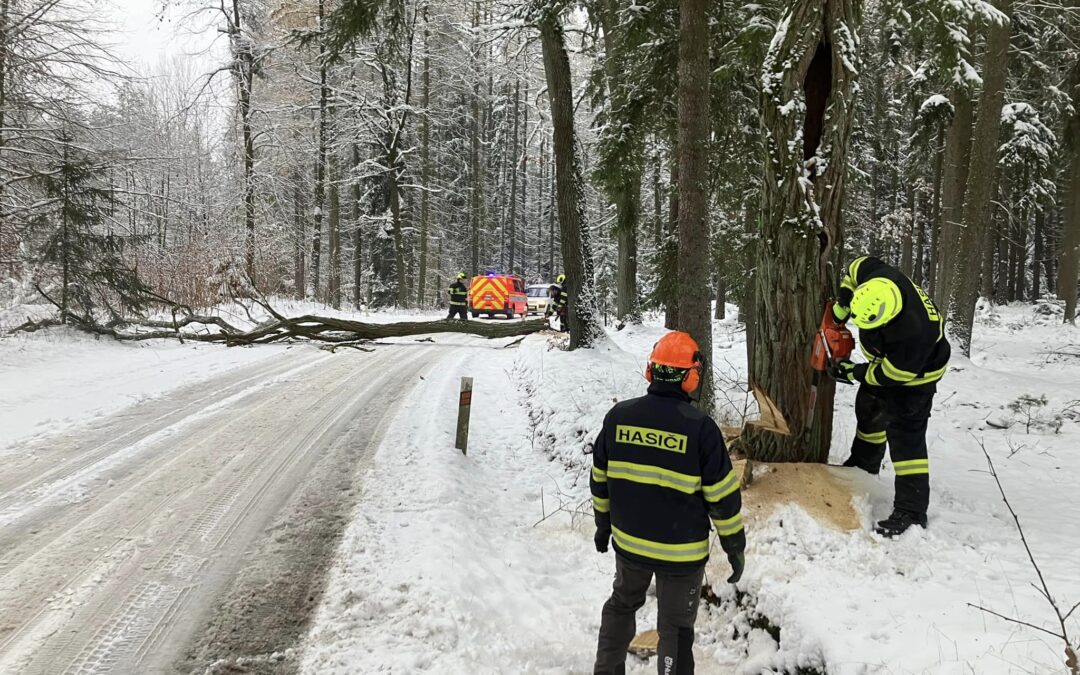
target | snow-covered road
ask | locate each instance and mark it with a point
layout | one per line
(196, 526)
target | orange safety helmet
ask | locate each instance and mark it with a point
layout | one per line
(677, 350)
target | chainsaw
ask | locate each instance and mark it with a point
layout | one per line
(833, 342)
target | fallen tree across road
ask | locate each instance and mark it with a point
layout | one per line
(186, 325)
(310, 327)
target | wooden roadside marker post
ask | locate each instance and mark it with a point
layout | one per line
(464, 410)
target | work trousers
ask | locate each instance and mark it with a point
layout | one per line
(677, 596)
(460, 310)
(897, 415)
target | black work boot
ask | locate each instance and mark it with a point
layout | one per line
(898, 523)
(855, 463)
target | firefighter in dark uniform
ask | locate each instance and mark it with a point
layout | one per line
(459, 298)
(660, 473)
(557, 291)
(903, 336)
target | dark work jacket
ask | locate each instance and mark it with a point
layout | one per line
(558, 297)
(909, 351)
(660, 473)
(459, 295)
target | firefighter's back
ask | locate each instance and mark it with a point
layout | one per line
(658, 515)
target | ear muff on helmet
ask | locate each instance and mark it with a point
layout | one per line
(693, 376)
(875, 303)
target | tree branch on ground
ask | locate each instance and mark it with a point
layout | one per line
(1071, 661)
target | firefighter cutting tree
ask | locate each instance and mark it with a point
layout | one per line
(902, 335)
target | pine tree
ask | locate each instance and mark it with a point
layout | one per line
(77, 251)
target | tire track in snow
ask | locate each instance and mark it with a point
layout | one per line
(112, 582)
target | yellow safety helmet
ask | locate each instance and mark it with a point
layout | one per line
(876, 303)
(460, 275)
(560, 279)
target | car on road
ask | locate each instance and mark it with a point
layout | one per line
(539, 298)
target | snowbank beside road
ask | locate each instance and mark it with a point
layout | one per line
(484, 563)
(53, 380)
(449, 566)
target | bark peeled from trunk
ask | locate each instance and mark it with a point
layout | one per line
(576, 248)
(964, 287)
(811, 63)
(1069, 270)
(956, 160)
(694, 248)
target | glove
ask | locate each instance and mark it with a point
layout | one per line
(601, 540)
(840, 314)
(843, 371)
(737, 559)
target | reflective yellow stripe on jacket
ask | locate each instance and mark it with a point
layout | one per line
(690, 552)
(853, 269)
(647, 474)
(717, 491)
(726, 527)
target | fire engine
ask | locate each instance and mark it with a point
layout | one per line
(493, 293)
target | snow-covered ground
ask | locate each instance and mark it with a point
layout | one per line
(51, 381)
(60, 378)
(484, 563)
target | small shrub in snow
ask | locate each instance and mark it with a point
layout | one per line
(1048, 311)
(1031, 410)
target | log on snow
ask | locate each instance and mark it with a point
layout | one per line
(321, 329)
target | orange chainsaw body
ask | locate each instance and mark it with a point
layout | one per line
(832, 342)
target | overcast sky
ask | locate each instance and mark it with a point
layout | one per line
(144, 36)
